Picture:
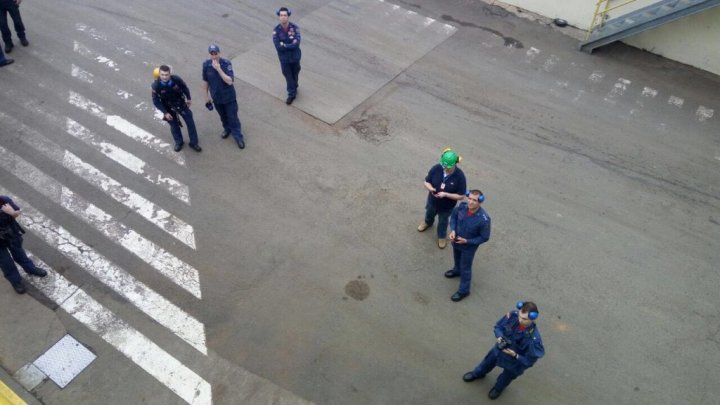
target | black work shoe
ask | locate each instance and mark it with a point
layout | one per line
(225, 134)
(494, 394)
(451, 274)
(6, 62)
(196, 148)
(468, 377)
(241, 144)
(289, 100)
(178, 147)
(24, 42)
(38, 272)
(19, 287)
(457, 297)
(8, 48)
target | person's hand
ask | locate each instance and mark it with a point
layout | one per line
(17, 2)
(510, 352)
(168, 116)
(452, 235)
(6, 208)
(461, 241)
(188, 103)
(216, 65)
(208, 99)
(441, 194)
(499, 339)
(282, 43)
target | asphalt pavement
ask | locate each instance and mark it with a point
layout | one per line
(292, 272)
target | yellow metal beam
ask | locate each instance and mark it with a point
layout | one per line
(9, 397)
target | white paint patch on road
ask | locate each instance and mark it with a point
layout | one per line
(146, 138)
(124, 94)
(618, 90)
(164, 220)
(649, 92)
(562, 84)
(428, 21)
(138, 32)
(395, 7)
(83, 75)
(129, 161)
(550, 63)
(123, 337)
(127, 128)
(449, 29)
(676, 101)
(92, 32)
(137, 293)
(86, 52)
(531, 54)
(596, 76)
(703, 113)
(168, 265)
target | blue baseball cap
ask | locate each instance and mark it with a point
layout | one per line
(213, 48)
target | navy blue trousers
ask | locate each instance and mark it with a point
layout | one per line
(489, 363)
(229, 117)
(9, 7)
(291, 71)
(189, 121)
(11, 254)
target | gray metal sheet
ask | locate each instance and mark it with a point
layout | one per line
(351, 49)
(64, 360)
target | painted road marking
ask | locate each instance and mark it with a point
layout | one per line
(596, 76)
(168, 265)
(9, 397)
(703, 113)
(550, 63)
(141, 296)
(184, 382)
(164, 220)
(649, 92)
(676, 101)
(83, 75)
(127, 128)
(618, 90)
(86, 52)
(139, 32)
(128, 160)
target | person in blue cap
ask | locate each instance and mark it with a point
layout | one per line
(172, 97)
(469, 228)
(518, 347)
(218, 79)
(11, 249)
(11, 7)
(286, 37)
(445, 183)
(3, 60)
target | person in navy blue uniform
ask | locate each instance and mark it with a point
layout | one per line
(518, 347)
(445, 183)
(469, 228)
(172, 97)
(3, 60)
(11, 249)
(12, 7)
(218, 82)
(286, 37)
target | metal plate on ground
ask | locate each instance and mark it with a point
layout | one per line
(350, 49)
(65, 360)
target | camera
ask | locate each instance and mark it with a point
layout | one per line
(503, 343)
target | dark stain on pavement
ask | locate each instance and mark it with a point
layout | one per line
(357, 289)
(219, 391)
(372, 128)
(714, 221)
(509, 41)
(421, 298)
(407, 3)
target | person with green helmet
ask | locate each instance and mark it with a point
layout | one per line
(446, 186)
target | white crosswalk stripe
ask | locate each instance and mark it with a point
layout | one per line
(157, 257)
(128, 160)
(184, 382)
(164, 220)
(127, 128)
(141, 296)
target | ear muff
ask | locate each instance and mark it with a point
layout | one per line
(459, 158)
(156, 73)
(277, 13)
(481, 197)
(532, 315)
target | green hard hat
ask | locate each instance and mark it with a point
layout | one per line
(449, 159)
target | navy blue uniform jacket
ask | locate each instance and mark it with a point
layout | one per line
(475, 228)
(173, 94)
(289, 52)
(454, 184)
(527, 344)
(221, 92)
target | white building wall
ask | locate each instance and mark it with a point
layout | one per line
(692, 40)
